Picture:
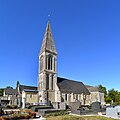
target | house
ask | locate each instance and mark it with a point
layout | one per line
(96, 95)
(27, 94)
(10, 96)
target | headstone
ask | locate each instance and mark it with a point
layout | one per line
(112, 112)
(55, 105)
(59, 105)
(118, 108)
(75, 107)
(62, 105)
(96, 106)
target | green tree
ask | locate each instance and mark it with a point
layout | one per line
(103, 89)
(112, 96)
(112, 93)
(9, 87)
(108, 99)
(1, 92)
(117, 98)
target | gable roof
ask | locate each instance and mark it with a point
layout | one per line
(9, 91)
(93, 89)
(27, 88)
(70, 86)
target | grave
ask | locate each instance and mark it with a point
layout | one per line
(59, 105)
(96, 106)
(75, 107)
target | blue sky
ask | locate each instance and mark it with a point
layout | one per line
(86, 34)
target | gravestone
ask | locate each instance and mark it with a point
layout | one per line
(113, 112)
(55, 105)
(75, 107)
(63, 106)
(96, 106)
(59, 105)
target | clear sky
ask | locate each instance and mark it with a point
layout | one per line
(86, 34)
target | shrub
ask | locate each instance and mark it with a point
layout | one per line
(22, 114)
(31, 113)
(11, 106)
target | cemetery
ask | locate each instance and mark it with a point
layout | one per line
(60, 109)
(73, 111)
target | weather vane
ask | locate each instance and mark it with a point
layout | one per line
(48, 16)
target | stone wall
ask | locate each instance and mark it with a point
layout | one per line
(97, 97)
(51, 95)
(31, 97)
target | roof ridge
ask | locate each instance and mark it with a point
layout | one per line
(71, 80)
(28, 86)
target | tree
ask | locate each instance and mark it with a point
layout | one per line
(112, 97)
(17, 85)
(103, 89)
(112, 93)
(1, 92)
(9, 87)
(108, 99)
(117, 98)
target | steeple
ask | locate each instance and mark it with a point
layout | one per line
(47, 73)
(48, 41)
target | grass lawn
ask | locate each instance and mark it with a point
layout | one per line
(70, 117)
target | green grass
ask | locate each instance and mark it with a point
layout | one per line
(71, 117)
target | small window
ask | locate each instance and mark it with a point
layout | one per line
(73, 96)
(66, 97)
(76, 97)
(30, 96)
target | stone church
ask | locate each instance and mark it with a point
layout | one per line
(51, 88)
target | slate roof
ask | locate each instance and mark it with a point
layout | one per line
(71, 86)
(28, 88)
(48, 41)
(93, 89)
(9, 91)
(33, 91)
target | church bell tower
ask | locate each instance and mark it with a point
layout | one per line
(47, 73)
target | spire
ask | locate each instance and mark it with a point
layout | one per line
(48, 42)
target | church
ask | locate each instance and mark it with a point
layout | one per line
(51, 89)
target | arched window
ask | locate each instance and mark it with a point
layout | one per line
(49, 62)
